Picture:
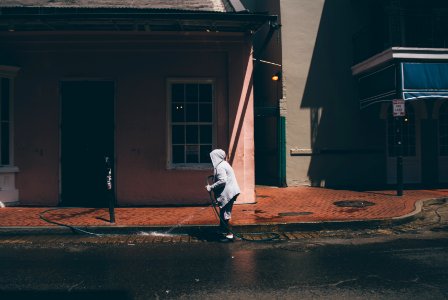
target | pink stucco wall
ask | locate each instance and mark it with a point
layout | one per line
(140, 68)
(241, 123)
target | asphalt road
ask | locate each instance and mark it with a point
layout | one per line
(336, 269)
(409, 261)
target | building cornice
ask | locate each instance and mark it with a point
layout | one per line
(402, 53)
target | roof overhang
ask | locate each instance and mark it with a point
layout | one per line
(403, 73)
(399, 53)
(125, 19)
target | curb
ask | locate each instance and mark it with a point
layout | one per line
(195, 229)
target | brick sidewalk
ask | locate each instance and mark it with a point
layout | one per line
(274, 206)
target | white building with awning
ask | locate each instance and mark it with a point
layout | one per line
(419, 76)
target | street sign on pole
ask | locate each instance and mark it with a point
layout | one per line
(399, 112)
(398, 108)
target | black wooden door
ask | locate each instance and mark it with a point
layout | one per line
(87, 137)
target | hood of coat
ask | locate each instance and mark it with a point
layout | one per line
(217, 156)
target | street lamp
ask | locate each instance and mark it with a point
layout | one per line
(276, 76)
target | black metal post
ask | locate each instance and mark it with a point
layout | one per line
(400, 156)
(109, 190)
(399, 119)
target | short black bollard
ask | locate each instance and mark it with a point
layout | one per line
(109, 190)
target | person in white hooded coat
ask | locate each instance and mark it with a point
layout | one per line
(225, 188)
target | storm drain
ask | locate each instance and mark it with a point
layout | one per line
(353, 203)
(291, 214)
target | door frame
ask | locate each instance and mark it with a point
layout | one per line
(442, 160)
(114, 103)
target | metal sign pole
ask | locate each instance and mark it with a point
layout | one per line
(400, 157)
(399, 112)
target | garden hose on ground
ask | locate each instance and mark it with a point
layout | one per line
(73, 228)
(273, 235)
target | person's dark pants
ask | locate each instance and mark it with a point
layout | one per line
(225, 214)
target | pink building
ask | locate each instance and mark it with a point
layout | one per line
(153, 86)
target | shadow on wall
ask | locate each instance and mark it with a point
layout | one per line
(342, 154)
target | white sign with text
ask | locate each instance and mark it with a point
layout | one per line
(398, 108)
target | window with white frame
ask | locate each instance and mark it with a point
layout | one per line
(5, 121)
(191, 122)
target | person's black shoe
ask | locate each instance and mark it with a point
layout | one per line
(225, 240)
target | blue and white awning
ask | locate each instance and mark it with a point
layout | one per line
(424, 80)
(405, 80)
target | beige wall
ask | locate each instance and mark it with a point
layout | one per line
(300, 26)
(323, 112)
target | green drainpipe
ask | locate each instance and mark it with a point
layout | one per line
(282, 151)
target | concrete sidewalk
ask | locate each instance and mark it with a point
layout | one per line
(277, 209)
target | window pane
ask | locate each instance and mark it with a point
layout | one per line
(5, 144)
(205, 112)
(205, 154)
(192, 134)
(5, 99)
(177, 93)
(191, 122)
(406, 140)
(191, 91)
(177, 112)
(192, 153)
(205, 93)
(192, 112)
(206, 134)
(178, 154)
(178, 134)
